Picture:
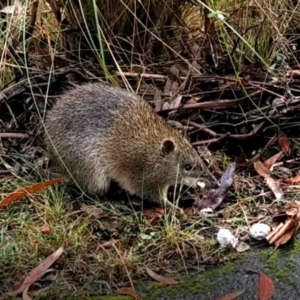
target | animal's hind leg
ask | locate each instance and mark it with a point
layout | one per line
(99, 183)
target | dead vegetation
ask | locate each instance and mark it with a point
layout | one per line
(225, 72)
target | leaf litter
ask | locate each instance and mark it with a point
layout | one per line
(38, 272)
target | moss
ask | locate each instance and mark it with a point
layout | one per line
(115, 297)
(112, 298)
(204, 284)
(153, 290)
(280, 263)
(294, 247)
(229, 268)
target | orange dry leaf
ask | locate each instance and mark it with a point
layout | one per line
(261, 169)
(284, 143)
(273, 235)
(129, 291)
(21, 192)
(160, 278)
(232, 296)
(292, 180)
(286, 231)
(294, 209)
(266, 287)
(273, 184)
(38, 272)
(45, 229)
(285, 238)
(153, 213)
(268, 163)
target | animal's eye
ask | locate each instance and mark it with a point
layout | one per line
(188, 167)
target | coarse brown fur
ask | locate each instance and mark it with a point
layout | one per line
(101, 133)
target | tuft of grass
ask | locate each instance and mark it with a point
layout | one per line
(24, 245)
(102, 247)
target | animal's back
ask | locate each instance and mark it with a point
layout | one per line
(89, 108)
(77, 124)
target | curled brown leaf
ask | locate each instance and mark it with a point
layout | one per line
(261, 169)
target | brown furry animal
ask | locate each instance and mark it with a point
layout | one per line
(101, 133)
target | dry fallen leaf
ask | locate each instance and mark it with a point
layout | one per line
(268, 163)
(292, 180)
(176, 102)
(21, 192)
(284, 143)
(161, 279)
(261, 169)
(45, 229)
(274, 186)
(232, 296)
(266, 287)
(283, 232)
(285, 238)
(153, 213)
(38, 272)
(242, 247)
(294, 209)
(129, 291)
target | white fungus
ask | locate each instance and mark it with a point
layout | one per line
(225, 238)
(259, 231)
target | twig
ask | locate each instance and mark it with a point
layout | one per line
(215, 104)
(13, 135)
(164, 77)
(208, 142)
(202, 127)
(264, 89)
(217, 136)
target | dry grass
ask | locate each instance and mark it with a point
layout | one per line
(145, 33)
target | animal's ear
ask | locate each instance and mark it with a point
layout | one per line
(167, 147)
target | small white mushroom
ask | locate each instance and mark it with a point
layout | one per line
(259, 231)
(225, 238)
